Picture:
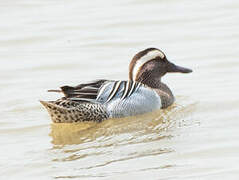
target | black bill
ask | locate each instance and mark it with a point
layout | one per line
(174, 68)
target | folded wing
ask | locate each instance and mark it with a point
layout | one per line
(82, 92)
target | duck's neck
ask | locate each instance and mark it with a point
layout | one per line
(152, 82)
(162, 89)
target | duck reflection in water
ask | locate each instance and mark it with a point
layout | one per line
(157, 122)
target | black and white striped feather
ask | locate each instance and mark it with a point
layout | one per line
(82, 92)
(121, 89)
(90, 92)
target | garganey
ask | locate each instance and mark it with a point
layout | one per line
(102, 99)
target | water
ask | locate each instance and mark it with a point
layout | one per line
(47, 44)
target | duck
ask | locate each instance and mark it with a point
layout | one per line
(102, 99)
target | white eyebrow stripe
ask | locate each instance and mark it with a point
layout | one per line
(147, 57)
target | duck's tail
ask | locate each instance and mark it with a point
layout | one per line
(65, 111)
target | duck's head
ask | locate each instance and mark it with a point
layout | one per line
(151, 64)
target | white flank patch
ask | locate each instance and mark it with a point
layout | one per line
(144, 59)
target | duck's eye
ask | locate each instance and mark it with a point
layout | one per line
(161, 59)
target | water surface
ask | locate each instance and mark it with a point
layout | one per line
(47, 44)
